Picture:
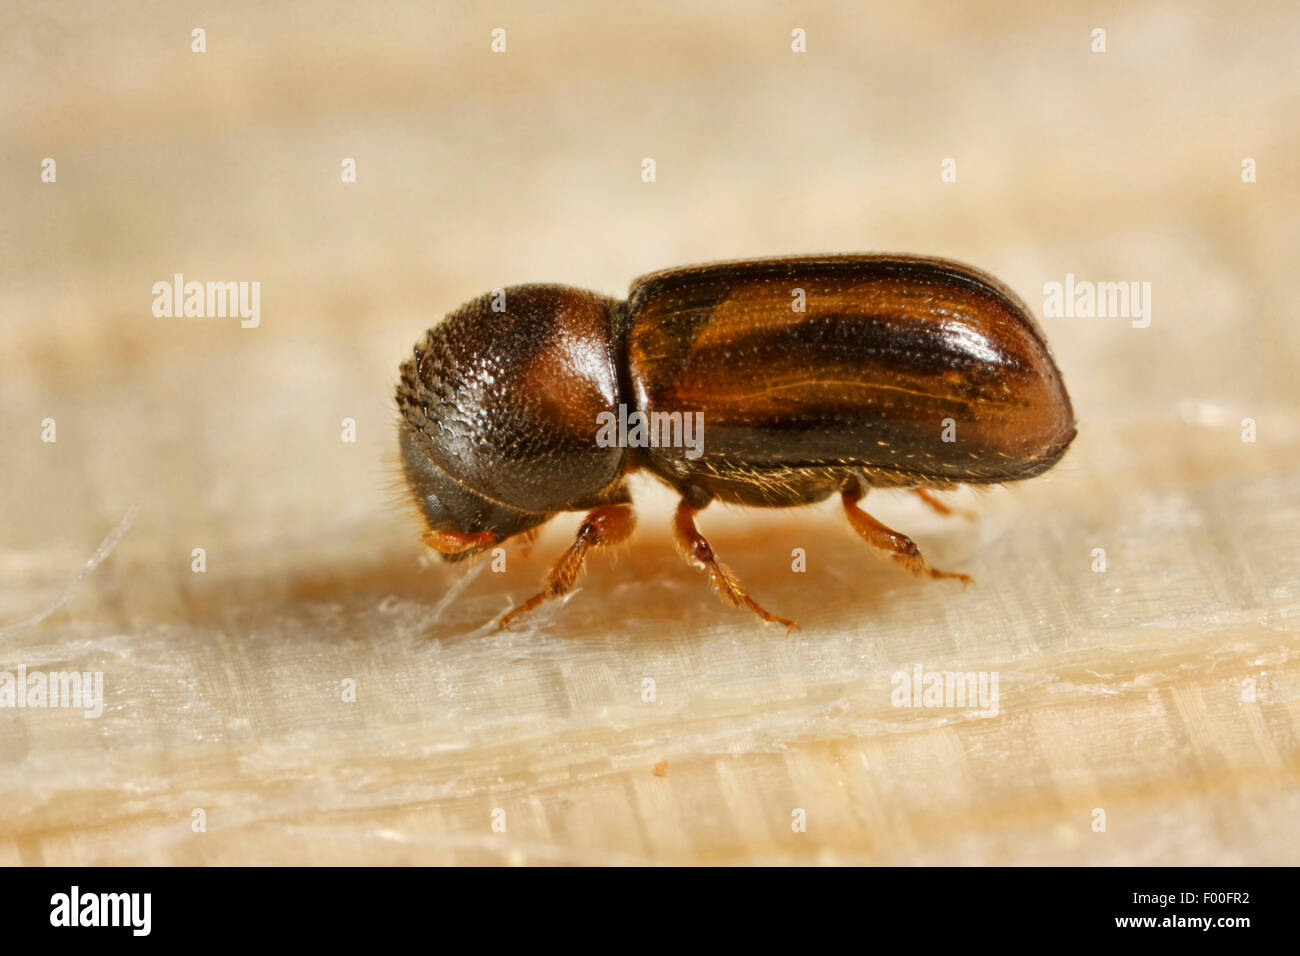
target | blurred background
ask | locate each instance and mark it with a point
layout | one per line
(1163, 691)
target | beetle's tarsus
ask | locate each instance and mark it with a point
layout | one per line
(900, 547)
(606, 525)
(698, 552)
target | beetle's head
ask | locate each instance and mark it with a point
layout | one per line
(500, 406)
(461, 523)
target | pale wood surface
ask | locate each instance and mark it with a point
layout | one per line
(1120, 690)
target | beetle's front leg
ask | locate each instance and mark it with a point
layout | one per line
(606, 525)
(695, 549)
(900, 547)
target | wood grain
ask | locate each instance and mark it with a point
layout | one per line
(1164, 691)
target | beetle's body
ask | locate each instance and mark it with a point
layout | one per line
(885, 350)
(811, 376)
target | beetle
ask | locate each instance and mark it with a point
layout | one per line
(812, 376)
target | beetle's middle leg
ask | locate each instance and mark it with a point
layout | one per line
(606, 525)
(901, 548)
(695, 549)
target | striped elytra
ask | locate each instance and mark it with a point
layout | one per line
(916, 371)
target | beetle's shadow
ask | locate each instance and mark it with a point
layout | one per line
(806, 565)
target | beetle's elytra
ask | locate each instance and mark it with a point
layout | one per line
(808, 377)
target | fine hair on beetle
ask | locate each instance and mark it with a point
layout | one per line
(816, 376)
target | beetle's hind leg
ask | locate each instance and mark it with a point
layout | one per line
(940, 507)
(606, 525)
(900, 547)
(696, 550)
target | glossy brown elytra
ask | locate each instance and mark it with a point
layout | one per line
(770, 382)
